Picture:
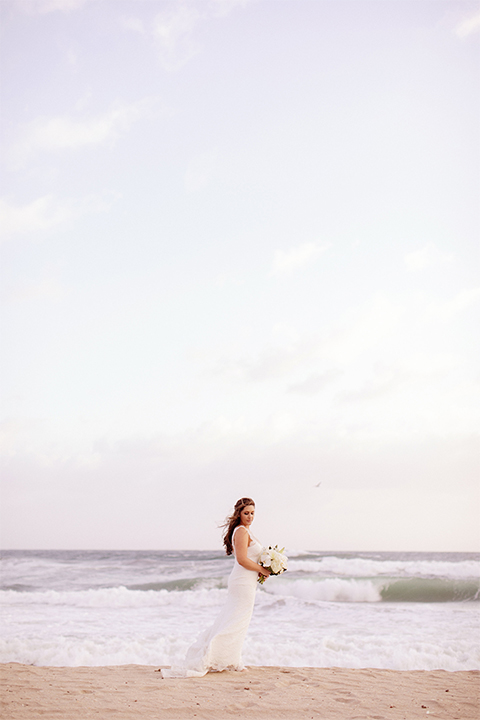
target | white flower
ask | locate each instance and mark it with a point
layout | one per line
(276, 565)
(265, 559)
(274, 559)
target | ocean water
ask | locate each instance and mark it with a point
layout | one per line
(405, 611)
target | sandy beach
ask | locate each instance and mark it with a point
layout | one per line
(260, 693)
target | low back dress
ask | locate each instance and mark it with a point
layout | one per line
(220, 646)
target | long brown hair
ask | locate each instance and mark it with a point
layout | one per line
(234, 521)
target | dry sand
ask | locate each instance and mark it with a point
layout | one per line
(261, 693)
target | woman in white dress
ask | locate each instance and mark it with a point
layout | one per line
(220, 647)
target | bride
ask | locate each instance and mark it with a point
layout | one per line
(220, 646)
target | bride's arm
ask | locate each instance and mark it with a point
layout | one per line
(240, 541)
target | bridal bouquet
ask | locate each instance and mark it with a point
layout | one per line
(274, 559)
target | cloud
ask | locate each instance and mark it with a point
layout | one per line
(273, 361)
(54, 484)
(270, 363)
(66, 132)
(363, 329)
(287, 261)
(172, 30)
(315, 383)
(41, 214)
(448, 309)
(358, 333)
(425, 257)
(224, 7)
(45, 213)
(375, 329)
(43, 7)
(376, 387)
(468, 26)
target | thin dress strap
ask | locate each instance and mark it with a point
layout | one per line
(235, 530)
(239, 526)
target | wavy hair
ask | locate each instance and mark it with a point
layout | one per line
(234, 521)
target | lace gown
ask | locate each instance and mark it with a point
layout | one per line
(220, 646)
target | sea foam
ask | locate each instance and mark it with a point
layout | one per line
(378, 610)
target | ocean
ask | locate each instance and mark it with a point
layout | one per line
(404, 611)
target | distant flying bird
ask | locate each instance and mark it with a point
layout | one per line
(317, 485)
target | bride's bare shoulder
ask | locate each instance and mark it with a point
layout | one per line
(242, 535)
(243, 530)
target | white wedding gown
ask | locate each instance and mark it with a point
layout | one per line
(220, 647)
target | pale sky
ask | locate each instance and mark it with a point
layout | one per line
(240, 257)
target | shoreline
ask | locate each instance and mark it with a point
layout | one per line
(262, 693)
